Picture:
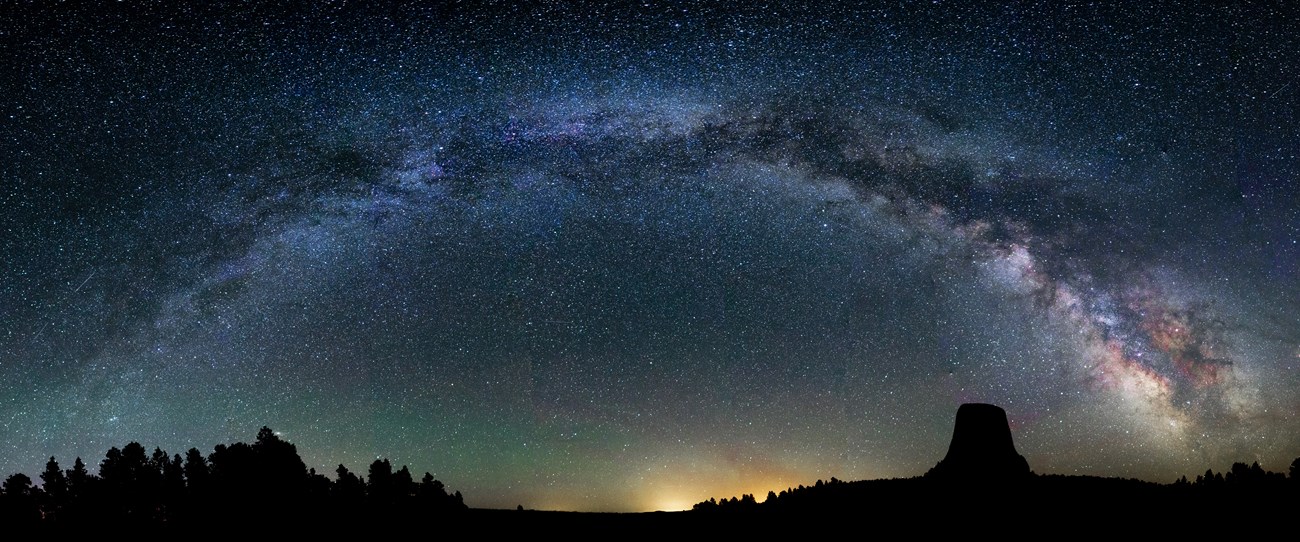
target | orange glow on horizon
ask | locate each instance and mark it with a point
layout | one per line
(684, 496)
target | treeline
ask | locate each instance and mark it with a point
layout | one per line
(1240, 483)
(818, 495)
(748, 502)
(1241, 476)
(240, 482)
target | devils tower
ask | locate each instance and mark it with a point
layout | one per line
(981, 448)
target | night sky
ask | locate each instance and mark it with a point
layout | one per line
(630, 256)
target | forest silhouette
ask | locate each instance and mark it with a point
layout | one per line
(237, 483)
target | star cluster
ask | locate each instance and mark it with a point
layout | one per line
(629, 256)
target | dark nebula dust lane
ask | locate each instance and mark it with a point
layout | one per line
(631, 256)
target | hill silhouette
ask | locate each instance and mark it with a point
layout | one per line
(983, 481)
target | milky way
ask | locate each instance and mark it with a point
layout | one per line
(630, 257)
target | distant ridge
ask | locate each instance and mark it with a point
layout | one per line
(981, 449)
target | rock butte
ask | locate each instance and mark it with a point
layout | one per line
(981, 448)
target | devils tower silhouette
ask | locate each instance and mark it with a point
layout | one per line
(981, 449)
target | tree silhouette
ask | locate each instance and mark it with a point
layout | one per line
(196, 471)
(279, 472)
(54, 482)
(18, 505)
(54, 485)
(234, 489)
(110, 467)
(431, 489)
(18, 486)
(318, 488)
(80, 489)
(379, 484)
(349, 490)
(173, 481)
(403, 485)
(129, 476)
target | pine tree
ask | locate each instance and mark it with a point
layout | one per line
(54, 482)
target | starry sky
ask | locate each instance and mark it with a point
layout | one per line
(629, 256)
